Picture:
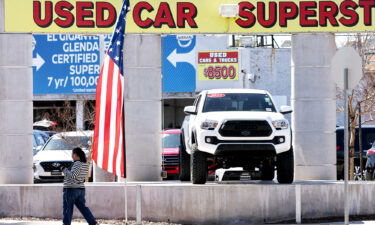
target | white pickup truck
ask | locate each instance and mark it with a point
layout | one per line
(236, 128)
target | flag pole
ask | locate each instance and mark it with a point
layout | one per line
(115, 57)
(123, 117)
(126, 202)
(125, 169)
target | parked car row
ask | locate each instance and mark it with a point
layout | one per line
(52, 150)
(57, 152)
(50, 153)
(368, 139)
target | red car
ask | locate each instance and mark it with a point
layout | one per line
(171, 145)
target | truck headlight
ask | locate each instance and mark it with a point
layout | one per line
(209, 124)
(280, 124)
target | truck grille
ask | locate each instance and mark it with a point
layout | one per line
(171, 160)
(245, 128)
(51, 166)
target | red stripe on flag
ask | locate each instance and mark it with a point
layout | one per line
(108, 109)
(123, 158)
(119, 124)
(97, 118)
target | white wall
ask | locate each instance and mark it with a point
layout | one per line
(271, 67)
(195, 204)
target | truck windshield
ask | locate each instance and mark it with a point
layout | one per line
(238, 102)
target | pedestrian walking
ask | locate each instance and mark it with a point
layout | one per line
(74, 188)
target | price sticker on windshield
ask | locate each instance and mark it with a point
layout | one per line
(218, 65)
(216, 95)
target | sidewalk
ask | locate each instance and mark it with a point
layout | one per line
(18, 222)
(15, 222)
(354, 222)
(5, 221)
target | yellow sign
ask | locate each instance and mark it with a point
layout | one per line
(218, 65)
(56, 16)
(193, 16)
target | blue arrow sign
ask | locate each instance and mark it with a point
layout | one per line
(179, 63)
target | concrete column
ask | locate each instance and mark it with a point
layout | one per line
(16, 107)
(143, 117)
(313, 100)
(80, 121)
(2, 16)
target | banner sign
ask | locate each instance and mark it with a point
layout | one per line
(194, 16)
(218, 65)
(179, 63)
(66, 64)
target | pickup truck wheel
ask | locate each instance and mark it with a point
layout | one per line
(268, 171)
(285, 167)
(184, 165)
(198, 166)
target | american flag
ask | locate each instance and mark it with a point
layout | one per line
(108, 145)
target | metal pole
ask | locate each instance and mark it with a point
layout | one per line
(124, 152)
(360, 141)
(139, 205)
(126, 201)
(346, 149)
(298, 204)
